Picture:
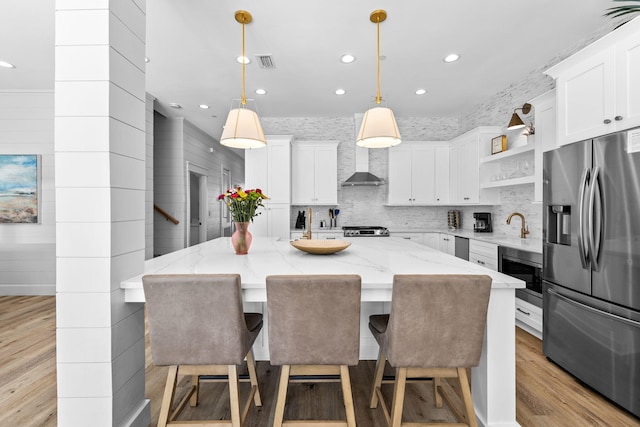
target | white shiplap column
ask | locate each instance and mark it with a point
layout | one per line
(100, 212)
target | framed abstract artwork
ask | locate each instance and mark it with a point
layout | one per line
(19, 188)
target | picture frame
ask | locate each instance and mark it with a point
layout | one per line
(498, 144)
(20, 187)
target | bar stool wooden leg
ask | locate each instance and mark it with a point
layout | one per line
(436, 391)
(195, 382)
(347, 395)
(234, 395)
(377, 379)
(282, 395)
(253, 377)
(398, 397)
(466, 396)
(167, 397)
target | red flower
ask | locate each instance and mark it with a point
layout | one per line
(234, 196)
(259, 191)
(220, 197)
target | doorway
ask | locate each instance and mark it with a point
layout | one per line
(196, 204)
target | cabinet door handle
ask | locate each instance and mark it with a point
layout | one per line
(618, 118)
(523, 312)
(607, 121)
(466, 198)
(480, 262)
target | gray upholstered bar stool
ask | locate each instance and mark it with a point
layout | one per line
(197, 327)
(314, 329)
(435, 330)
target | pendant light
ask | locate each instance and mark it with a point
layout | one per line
(379, 128)
(243, 129)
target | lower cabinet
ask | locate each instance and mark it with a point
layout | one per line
(415, 237)
(483, 253)
(431, 240)
(529, 317)
(323, 234)
(447, 244)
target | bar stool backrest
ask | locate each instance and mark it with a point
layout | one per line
(196, 319)
(437, 320)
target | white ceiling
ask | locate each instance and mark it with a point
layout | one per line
(193, 44)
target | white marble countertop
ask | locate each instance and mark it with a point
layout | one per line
(375, 260)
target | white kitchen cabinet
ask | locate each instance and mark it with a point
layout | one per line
(431, 240)
(273, 221)
(465, 154)
(269, 169)
(529, 317)
(545, 136)
(483, 253)
(415, 178)
(314, 172)
(414, 237)
(319, 234)
(447, 244)
(598, 88)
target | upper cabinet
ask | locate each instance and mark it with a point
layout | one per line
(465, 154)
(418, 173)
(314, 170)
(268, 168)
(598, 88)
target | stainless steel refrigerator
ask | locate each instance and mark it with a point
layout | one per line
(591, 263)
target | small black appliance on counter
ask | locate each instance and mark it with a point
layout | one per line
(483, 222)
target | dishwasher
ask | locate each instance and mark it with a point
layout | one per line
(462, 248)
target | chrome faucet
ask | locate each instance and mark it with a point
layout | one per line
(307, 234)
(524, 230)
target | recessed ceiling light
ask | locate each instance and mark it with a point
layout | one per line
(204, 106)
(347, 58)
(147, 60)
(452, 57)
(421, 91)
(175, 105)
(243, 59)
(6, 65)
(261, 91)
(340, 91)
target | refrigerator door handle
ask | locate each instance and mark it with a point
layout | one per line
(582, 244)
(594, 235)
(594, 310)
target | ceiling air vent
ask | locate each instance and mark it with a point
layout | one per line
(266, 61)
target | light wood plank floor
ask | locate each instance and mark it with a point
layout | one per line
(546, 395)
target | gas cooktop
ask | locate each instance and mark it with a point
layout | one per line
(365, 231)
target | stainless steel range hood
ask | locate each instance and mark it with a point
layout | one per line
(362, 176)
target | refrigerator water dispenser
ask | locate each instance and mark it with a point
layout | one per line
(559, 226)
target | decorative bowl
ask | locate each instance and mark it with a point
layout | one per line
(320, 246)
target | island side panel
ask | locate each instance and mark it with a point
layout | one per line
(493, 382)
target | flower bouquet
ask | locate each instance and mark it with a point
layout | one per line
(243, 205)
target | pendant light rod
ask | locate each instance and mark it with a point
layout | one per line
(378, 16)
(243, 17)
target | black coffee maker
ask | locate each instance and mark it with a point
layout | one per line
(483, 222)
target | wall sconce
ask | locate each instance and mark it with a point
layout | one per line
(516, 122)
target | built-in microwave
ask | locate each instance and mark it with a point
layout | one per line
(524, 265)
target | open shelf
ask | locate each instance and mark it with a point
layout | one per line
(509, 153)
(507, 182)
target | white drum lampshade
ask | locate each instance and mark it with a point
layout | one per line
(379, 129)
(243, 130)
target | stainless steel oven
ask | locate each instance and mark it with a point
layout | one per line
(524, 265)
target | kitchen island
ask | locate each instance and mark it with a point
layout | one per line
(376, 260)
